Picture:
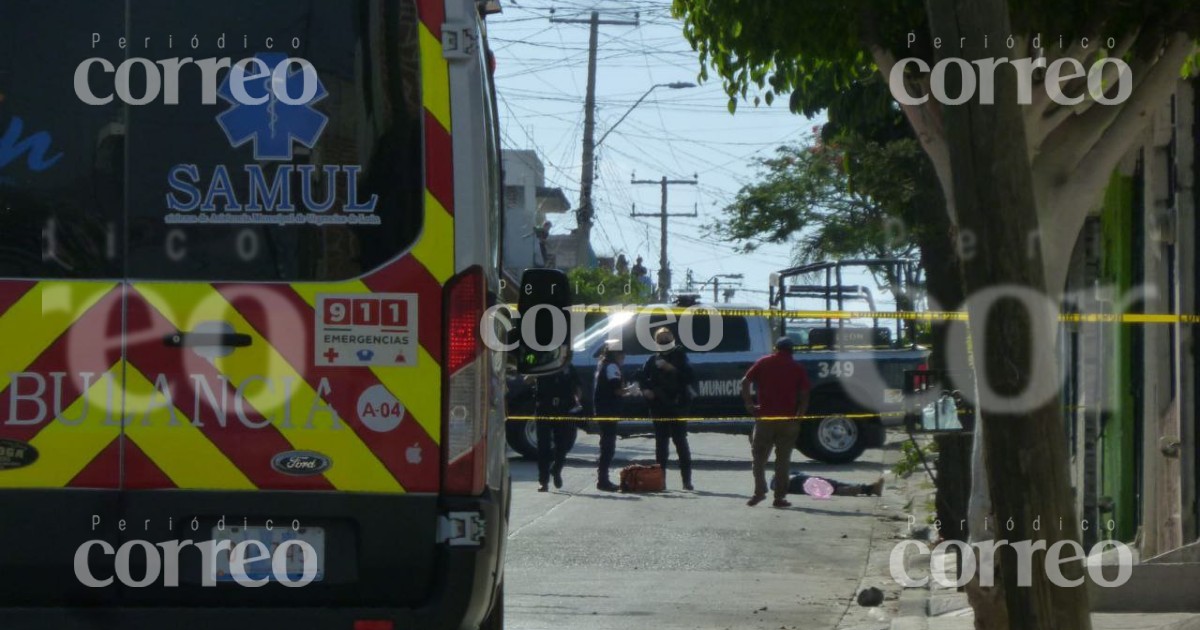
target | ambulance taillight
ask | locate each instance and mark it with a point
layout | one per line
(466, 387)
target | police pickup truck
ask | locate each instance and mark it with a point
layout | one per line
(856, 371)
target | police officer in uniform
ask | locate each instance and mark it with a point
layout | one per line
(665, 380)
(607, 402)
(557, 395)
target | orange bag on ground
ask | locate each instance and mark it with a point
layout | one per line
(643, 478)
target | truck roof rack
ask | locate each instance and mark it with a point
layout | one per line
(854, 291)
(906, 272)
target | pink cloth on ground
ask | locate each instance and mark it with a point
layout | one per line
(818, 488)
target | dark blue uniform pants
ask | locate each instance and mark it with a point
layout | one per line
(551, 457)
(666, 432)
(608, 448)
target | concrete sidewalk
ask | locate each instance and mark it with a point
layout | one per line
(965, 620)
(946, 609)
(939, 608)
(906, 502)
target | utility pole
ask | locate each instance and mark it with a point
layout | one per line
(664, 267)
(585, 212)
(716, 282)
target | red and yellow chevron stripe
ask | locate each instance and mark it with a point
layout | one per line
(135, 413)
(47, 327)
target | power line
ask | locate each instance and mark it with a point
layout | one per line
(691, 127)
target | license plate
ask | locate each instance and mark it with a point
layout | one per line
(272, 539)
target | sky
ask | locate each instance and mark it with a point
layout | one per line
(541, 80)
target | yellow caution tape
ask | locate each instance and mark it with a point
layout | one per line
(852, 416)
(1122, 318)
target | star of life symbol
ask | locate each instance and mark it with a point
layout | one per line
(270, 123)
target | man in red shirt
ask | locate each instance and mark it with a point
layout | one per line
(783, 387)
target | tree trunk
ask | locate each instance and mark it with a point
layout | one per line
(938, 243)
(991, 613)
(939, 258)
(1024, 445)
(953, 484)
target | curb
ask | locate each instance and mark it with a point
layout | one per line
(891, 525)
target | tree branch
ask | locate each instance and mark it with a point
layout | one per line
(1075, 139)
(1041, 101)
(1153, 90)
(926, 121)
(1044, 108)
(1065, 203)
(1111, 74)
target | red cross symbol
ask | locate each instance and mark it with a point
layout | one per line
(331, 355)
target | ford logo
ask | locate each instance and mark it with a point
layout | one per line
(301, 463)
(14, 454)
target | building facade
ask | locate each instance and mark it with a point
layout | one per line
(1130, 387)
(527, 204)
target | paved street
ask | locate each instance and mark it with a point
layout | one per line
(580, 558)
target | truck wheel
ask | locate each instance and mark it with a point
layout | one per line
(495, 618)
(803, 447)
(522, 437)
(832, 440)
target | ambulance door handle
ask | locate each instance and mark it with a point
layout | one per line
(194, 340)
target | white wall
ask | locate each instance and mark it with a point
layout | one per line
(524, 170)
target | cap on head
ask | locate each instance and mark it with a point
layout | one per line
(784, 343)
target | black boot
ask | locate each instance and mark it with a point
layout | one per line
(556, 475)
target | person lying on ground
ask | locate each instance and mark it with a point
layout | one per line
(840, 488)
